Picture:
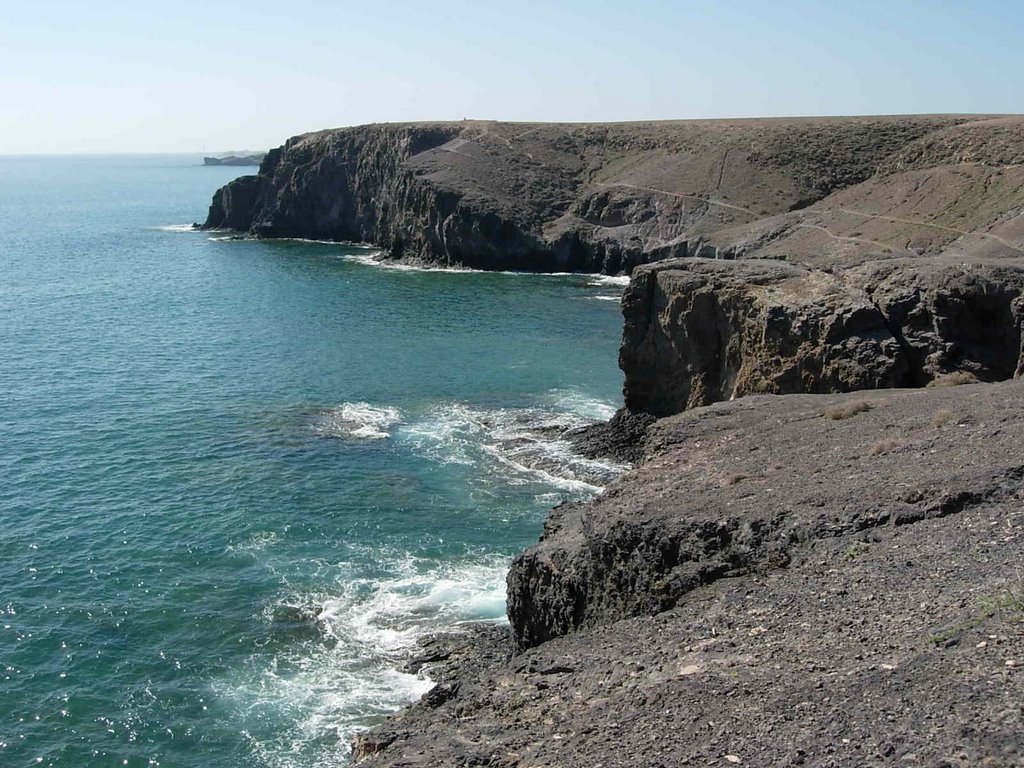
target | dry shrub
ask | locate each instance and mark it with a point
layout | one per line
(942, 417)
(846, 410)
(954, 379)
(885, 445)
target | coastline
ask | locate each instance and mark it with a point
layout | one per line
(844, 592)
(774, 266)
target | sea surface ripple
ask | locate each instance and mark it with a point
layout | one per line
(239, 479)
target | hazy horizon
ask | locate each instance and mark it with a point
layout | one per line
(140, 78)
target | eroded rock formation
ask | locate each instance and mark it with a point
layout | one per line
(822, 580)
(605, 198)
(698, 331)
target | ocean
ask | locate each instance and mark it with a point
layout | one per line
(239, 480)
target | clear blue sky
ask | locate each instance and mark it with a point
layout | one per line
(190, 76)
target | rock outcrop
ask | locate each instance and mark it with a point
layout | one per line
(818, 579)
(822, 580)
(605, 198)
(770, 256)
(698, 331)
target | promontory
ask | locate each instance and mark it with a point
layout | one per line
(816, 558)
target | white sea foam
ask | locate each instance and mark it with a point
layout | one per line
(605, 298)
(520, 445)
(374, 260)
(360, 420)
(338, 647)
(604, 280)
(575, 401)
(175, 228)
(345, 672)
(389, 615)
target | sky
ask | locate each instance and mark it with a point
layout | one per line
(187, 76)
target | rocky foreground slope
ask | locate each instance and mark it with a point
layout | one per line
(821, 580)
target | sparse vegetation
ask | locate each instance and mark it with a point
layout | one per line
(954, 379)
(942, 417)
(1007, 605)
(855, 550)
(885, 445)
(846, 410)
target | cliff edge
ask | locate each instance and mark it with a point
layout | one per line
(816, 579)
(608, 197)
(820, 580)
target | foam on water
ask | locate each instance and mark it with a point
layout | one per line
(519, 445)
(175, 228)
(360, 420)
(606, 280)
(212, 556)
(374, 259)
(347, 672)
(577, 402)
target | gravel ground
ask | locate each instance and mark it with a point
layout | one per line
(895, 638)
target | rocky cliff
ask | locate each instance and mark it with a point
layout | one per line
(820, 580)
(698, 331)
(822, 254)
(605, 198)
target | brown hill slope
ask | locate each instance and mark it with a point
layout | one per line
(606, 197)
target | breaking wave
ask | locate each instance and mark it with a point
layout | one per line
(360, 420)
(175, 228)
(520, 445)
(345, 668)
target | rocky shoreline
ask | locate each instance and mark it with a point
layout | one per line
(815, 560)
(607, 197)
(823, 580)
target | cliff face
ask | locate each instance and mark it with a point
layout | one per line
(764, 549)
(823, 580)
(740, 487)
(698, 331)
(563, 197)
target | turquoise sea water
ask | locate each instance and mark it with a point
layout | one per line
(238, 479)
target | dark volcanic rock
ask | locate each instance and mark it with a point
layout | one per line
(699, 331)
(607, 197)
(620, 438)
(232, 203)
(821, 580)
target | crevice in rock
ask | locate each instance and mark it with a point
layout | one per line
(915, 375)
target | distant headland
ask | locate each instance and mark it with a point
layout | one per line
(820, 578)
(236, 158)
